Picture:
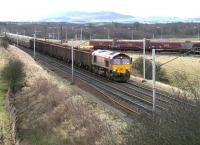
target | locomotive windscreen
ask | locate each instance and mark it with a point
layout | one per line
(121, 59)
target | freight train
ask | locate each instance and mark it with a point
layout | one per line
(137, 45)
(113, 65)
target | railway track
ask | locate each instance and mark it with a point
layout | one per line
(129, 96)
(161, 96)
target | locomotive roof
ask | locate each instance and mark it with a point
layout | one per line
(105, 53)
(101, 40)
(19, 36)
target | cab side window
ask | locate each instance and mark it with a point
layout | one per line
(106, 63)
(95, 59)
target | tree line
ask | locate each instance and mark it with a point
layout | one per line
(102, 30)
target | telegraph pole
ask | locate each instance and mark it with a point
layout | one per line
(72, 58)
(154, 80)
(144, 57)
(5, 28)
(75, 36)
(45, 32)
(34, 35)
(108, 34)
(17, 40)
(49, 35)
(58, 35)
(81, 34)
(66, 36)
(53, 35)
(132, 34)
(90, 35)
(61, 34)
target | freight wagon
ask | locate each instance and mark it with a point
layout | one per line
(137, 45)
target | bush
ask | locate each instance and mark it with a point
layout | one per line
(14, 74)
(182, 81)
(4, 42)
(138, 66)
(48, 114)
(179, 125)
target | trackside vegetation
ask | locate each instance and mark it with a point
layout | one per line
(179, 125)
(5, 126)
(184, 82)
(5, 122)
(138, 69)
(4, 42)
(13, 74)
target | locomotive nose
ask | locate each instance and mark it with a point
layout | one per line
(121, 69)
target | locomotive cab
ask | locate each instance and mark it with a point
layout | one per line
(121, 67)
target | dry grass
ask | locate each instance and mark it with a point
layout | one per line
(5, 122)
(52, 112)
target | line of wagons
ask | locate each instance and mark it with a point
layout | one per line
(137, 45)
(113, 65)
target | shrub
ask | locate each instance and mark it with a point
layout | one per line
(48, 112)
(14, 74)
(4, 42)
(160, 72)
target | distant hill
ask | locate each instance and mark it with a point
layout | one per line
(92, 17)
(85, 17)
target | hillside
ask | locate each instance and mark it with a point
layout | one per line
(106, 16)
(51, 111)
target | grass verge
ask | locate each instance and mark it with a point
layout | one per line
(5, 123)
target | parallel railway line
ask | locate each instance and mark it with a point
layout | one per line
(161, 95)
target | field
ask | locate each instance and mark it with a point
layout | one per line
(187, 64)
(180, 73)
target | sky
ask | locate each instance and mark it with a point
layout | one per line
(31, 10)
